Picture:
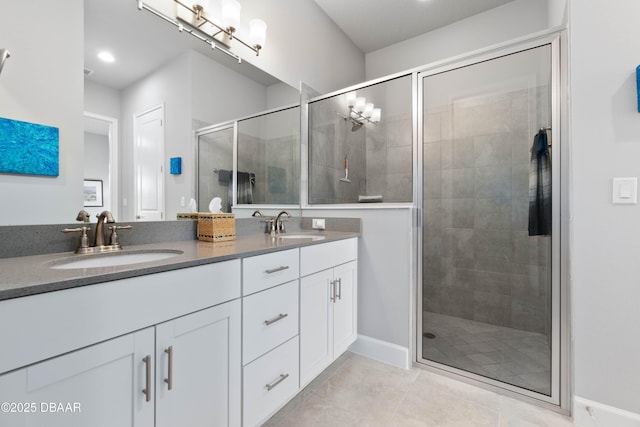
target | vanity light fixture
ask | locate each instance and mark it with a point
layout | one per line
(197, 18)
(361, 111)
(223, 29)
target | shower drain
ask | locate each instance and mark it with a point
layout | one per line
(429, 335)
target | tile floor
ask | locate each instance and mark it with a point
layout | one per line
(510, 355)
(357, 391)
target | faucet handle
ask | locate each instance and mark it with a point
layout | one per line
(114, 240)
(84, 240)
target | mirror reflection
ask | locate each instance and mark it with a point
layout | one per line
(269, 158)
(182, 81)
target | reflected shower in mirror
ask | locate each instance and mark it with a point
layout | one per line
(361, 152)
(215, 161)
(269, 158)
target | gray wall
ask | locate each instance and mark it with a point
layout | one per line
(605, 243)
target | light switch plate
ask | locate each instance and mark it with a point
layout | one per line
(625, 191)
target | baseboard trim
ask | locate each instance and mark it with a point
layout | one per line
(386, 352)
(587, 413)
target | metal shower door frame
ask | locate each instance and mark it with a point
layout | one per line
(559, 400)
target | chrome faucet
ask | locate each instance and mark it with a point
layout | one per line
(257, 213)
(279, 222)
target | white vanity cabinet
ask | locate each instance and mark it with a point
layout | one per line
(328, 304)
(99, 386)
(197, 368)
(270, 333)
(119, 377)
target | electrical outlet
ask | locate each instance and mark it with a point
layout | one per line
(317, 223)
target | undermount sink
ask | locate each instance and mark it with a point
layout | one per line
(114, 259)
(310, 237)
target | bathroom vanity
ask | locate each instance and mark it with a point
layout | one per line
(220, 334)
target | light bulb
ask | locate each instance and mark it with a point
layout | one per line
(351, 99)
(376, 115)
(360, 103)
(231, 14)
(368, 110)
(257, 32)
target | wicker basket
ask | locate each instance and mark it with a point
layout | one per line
(216, 227)
(187, 215)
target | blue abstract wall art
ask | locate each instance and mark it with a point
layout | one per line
(28, 148)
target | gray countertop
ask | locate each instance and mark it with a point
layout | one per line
(31, 275)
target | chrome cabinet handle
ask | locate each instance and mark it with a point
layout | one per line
(169, 379)
(339, 295)
(275, 270)
(332, 291)
(275, 319)
(281, 378)
(147, 389)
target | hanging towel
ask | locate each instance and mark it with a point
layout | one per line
(246, 181)
(540, 186)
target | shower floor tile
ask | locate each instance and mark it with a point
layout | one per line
(513, 356)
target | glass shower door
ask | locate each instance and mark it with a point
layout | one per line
(486, 240)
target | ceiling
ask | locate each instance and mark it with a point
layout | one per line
(142, 42)
(374, 24)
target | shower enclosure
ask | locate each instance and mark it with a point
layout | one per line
(489, 282)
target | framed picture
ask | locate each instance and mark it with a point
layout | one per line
(93, 192)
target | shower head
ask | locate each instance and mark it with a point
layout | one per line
(4, 54)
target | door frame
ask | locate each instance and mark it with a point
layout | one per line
(114, 171)
(560, 399)
(136, 189)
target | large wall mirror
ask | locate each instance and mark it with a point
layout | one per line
(156, 66)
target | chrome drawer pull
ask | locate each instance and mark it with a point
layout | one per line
(332, 291)
(275, 319)
(169, 380)
(275, 270)
(339, 294)
(147, 389)
(281, 378)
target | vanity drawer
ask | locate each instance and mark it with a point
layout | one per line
(320, 257)
(265, 271)
(269, 382)
(269, 318)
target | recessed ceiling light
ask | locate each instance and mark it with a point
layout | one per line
(106, 56)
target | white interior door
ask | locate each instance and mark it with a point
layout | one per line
(149, 164)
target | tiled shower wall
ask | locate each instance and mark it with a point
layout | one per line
(380, 155)
(275, 163)
(479, 261)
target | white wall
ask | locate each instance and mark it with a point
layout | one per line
(512, 20)
(605, 245)
(304, 44)
(102, 100)
(96, 166)
(42, 83)
(170, 86)
(219, 94)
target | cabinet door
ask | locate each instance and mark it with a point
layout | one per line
(101, 385)
(316, 335)
(345, 321)
(198, 368)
